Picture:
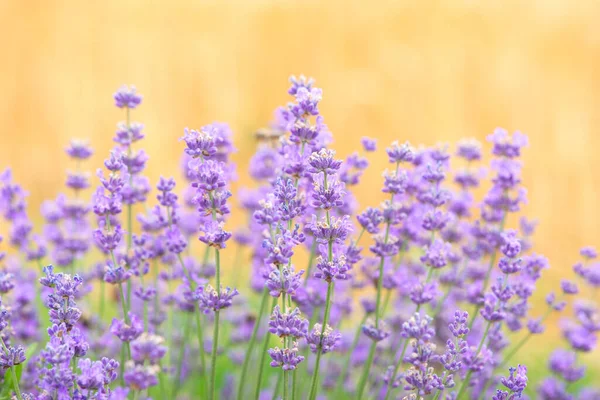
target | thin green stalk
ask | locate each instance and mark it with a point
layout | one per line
(215, 344)
(465, 382)
(294, 384)
(263, 304)
(346, 363)
(311, 259)
(186, 335)
(15, 381)
(276, 390)
(365, 375)
(285, 384)
(213, 362)
(488, 274)
(263, 355)
(103, 298)
(199, 331)
(396, 368)
(315, 378)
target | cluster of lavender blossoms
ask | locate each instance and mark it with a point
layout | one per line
(122, 296)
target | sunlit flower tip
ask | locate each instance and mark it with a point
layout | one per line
(368, 144)
(336, 269)
(200, 143)
(328, 342)
(12, 356)
(469, 149)
(127, 331)
(588, 253)
(127, 97)
(324, 161)
(287, 358)
(140, 377)
(569, 287)
(212, 300)
(79, 149)
(399, 153)
(517, 380)
(214, 235)
(374, 333)
(289, 324)
(148, 347)
(300, 82)
(505, 145)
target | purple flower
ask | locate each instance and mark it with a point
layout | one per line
(370, 219)
(300, 82)
(417, 327)
(148, 347)
(79, 150)
(323, 161)
(400, 153)
(116, 274)
(563, 363)
(288, 324)
(437, 254)
(140, 377)
(175, 241)
(368, 144)
(126, 97)
(329, 341)
(374, 333)
(128, 134)
(335, 231)
(214, 235)
(517, 380)
(469, 149)
(588, 252)
(288, 358)
(283, 281)
(108, 240)
(200, 143)
(505, 145)
(211, 300)
(327, 195)
(127, 331)
(307, 101)
(12, 356)
(336, 269)
(569, 287)
(92, 374)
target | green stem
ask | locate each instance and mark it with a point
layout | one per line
(285, 384)
(315, 378)
(276, 390)
(294, 384)
(15, 381)
(365, 375)
(396, 368)
(186, 335)
(213, 362)
(488, 274)
(346, 363)
(465, 382)
(263, 304)
(263, 355)
(311, 258)
(215, 344)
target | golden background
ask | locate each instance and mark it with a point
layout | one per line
(423, 71)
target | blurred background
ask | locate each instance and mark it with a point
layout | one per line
(423, 71)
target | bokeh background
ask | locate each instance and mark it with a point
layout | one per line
(423, 71)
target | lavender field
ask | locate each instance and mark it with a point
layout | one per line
(122, 291)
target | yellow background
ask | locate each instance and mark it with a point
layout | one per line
(423, 71)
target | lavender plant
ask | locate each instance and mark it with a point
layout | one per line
(445, 284)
